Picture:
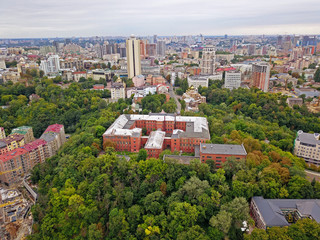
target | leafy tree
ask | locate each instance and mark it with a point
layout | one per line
(142, 154)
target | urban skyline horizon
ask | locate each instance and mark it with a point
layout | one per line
(163, 36)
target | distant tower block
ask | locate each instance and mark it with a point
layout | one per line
(208, 60)
(133, 57)
(2, 133)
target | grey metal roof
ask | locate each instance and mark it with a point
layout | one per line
(272, 215)
(49, 136)
(2, 144)
(308, 138)
(231, 149)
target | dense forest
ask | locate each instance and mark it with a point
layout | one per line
(88, 194)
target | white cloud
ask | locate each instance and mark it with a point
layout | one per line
(65, 18)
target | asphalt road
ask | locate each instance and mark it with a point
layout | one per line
(174, 96)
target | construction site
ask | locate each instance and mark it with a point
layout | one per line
(15, 210)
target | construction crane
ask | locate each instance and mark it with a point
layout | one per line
(9, 203)
(10, 170)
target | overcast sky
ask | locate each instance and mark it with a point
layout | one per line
(66, 18)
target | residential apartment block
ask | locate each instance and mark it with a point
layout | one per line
(11, 142)
(118, 91)
(13, 164)
(2, 133)
(163, 131)
(19, 160)
(261, 76)
(232, 80)
(55, 137)
(208, 60)
(26, 131)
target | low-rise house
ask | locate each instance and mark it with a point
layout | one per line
(220, 152)
(294, 101)
(308, 92)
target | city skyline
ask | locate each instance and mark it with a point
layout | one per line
(37, 19)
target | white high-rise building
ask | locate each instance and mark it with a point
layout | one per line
(232, 80)
(133, 57)
(51, 65)
(208, 60)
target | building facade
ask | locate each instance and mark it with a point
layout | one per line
(11, 142)
(51, 65)
(181, 133)
(2, 133)
(197, 81)
(138, 81)
(26, 131)
(55, 137)
(133, 57)
(307, 146)
(261, 76)
(117, 91)
(208, 60)
(219, 153)
(232, 80)
(38, 151)
(13, 164)
(161, 48)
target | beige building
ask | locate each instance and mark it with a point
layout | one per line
(26, 131)
(307, 146)
(12, 76)
(208, 60)
(2, 133)
(133, 57)
(55, 137)
(118, 91)
(197, 81)
(193, 99)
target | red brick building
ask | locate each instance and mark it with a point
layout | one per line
(220, 152)
(177, 133)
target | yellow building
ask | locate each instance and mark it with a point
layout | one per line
(11, 142)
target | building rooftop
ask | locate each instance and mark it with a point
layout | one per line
(21, 130)
(155, 140)
(12, 154)
(271, 209)
(34, 144)
(230, 149)
(49, 136)
(13, 137)
(308, 138)
(181, 159)
(54, 128)
(2, 144)
(196, 126)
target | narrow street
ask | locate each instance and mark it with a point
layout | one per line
(174, 96)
